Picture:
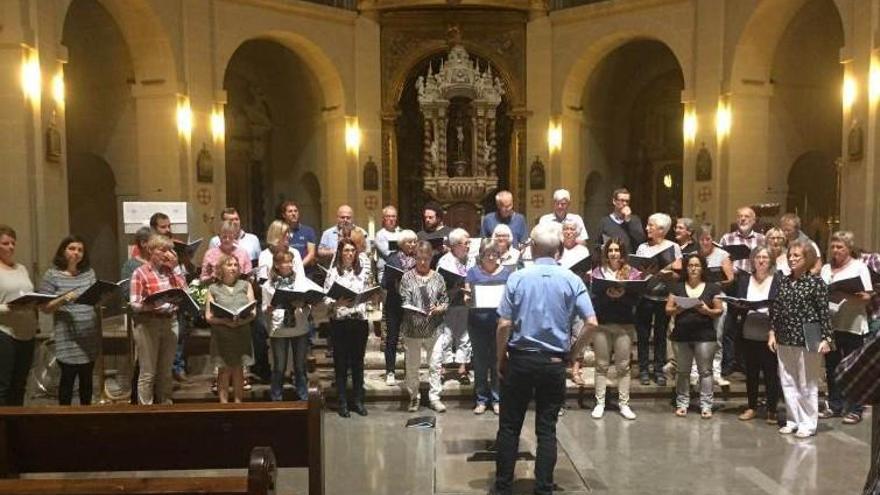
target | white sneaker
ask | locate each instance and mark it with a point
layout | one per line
(413, 404)
(788, 429)
(805, 433)
(390, 380)
(438, 406)
(627, 413)
(721, 381)
(598, 411)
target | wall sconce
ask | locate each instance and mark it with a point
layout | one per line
(31, 78)
(58, 88)
(723, 120)
(184, 118)
(218, 124)
(554, 137)
(352, 135)
(874, 80)
(689, 126)
(850, 91)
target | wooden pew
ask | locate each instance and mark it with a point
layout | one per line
(160, 437)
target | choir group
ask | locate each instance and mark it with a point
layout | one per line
(758, 299)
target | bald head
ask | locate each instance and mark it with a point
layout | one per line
(344, 216)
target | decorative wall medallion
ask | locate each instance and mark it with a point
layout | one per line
(704, 195)
(537, 200)
(203, 195)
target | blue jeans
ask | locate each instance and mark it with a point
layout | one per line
(300, 346)
(179, 365)
(484, 348)
(846, 344)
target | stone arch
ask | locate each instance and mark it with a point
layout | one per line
(592, 56)
(148, 42)
(755, 51)
(324, 70)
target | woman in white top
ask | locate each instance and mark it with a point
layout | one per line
(849, 320)
(720, 272)
(348, 325)
(502, 235)
(288, 327)
(761, 285)
(278, 240)
(573, 251)
(651, 310)
(18, 324)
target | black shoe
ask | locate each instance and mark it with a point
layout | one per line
(644, 378)
(343, 411)
(661, 380)
(359, 408)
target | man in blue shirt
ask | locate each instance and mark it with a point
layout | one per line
(301, 237)
(504, 214)
(534, 347)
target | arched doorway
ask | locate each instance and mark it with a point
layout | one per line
(811, 197)
(632, 129)
(101, 128)
(275, 132)
(411, 147)
(806, 68)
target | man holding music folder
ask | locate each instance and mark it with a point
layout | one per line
(534, 347)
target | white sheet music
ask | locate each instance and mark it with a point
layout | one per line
(488, 296)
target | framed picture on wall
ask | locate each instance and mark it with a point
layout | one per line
(204, 165)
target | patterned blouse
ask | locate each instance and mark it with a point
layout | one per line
(799, 300)
(422, 292)
(350, 280)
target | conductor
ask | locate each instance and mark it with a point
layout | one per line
(534, 342)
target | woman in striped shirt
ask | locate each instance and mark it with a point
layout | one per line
(76, 329)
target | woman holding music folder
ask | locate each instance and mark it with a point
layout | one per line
(754, 293)
(576, 257)
(453, 267)
(155, 318)
(288, 322)
(75, 325)
(695, 305)
(850, 290)
(615, 308)
(800, 331)
(348, 323)
(424, 296)
(660, 258)
(396, 265)
(720, 272)
(18, 323)
(483, 286)
(684, 235)
(230, 308)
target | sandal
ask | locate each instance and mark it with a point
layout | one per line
(748, 415)
(852, 418)
(681, 412)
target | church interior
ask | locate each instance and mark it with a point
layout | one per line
(697, 107)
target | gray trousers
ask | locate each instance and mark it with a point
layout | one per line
(687, 352)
